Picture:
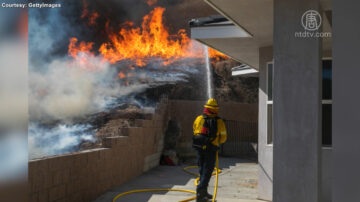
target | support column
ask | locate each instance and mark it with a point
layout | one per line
(265, 156)
(346, 101)
(297, 105)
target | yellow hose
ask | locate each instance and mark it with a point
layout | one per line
(217, 171)
(216, 177)
(151, 190)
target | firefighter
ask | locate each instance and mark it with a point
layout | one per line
(209, 133)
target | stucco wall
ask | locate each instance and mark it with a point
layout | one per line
(83, 176)
(346, 96)
(265, 186)
(297, 106)
(326, 174)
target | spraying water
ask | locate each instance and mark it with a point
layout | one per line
(208, 73)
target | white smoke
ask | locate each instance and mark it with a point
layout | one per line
(70, 89)
(58, 140)
(62, 88)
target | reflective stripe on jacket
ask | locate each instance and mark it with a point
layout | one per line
(221, 134)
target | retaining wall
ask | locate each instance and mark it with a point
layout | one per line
(83, 176)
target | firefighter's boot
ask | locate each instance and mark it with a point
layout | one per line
(201, 195)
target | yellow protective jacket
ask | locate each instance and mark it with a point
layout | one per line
(221, 130)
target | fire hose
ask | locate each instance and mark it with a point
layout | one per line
(216, 173)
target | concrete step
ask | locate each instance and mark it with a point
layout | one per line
(175, 198)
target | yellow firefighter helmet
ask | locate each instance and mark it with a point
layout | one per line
(212, 104)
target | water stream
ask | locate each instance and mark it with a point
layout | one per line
(208, 73)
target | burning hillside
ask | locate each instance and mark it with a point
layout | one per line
(141, 45)
(79, 81)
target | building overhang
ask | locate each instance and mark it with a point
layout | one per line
(225, 37)
(244, 70)
(218, 32)
(254, 17)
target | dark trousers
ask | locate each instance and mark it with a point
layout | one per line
(206, 164)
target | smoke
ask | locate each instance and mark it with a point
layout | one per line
(58, 140)
(69, 90)
(62, 88)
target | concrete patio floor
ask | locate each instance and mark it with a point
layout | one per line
(237, 182)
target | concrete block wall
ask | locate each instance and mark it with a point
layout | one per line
(83, 176)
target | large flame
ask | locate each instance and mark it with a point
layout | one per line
(140, 44)
(152, 39)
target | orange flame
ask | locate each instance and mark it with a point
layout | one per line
(83, 57)
(151, 40)
(216, 54)
(121, 75)
(140, 44)
(83, 47)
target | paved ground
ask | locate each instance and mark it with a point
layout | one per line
(237, 182)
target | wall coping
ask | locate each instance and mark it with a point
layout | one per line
(78, 152)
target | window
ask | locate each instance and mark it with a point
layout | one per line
(270, 81)
(269, 102)
(269, 124)
(326, 102)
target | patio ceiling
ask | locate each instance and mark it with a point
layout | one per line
(254, 17)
